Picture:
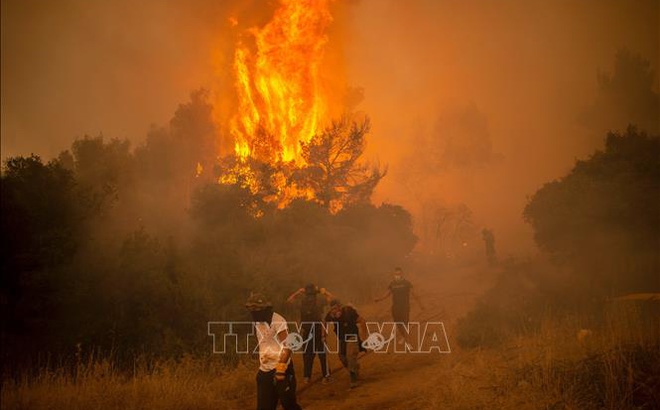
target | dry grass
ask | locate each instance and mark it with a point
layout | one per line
(616, 367)
(185, 384)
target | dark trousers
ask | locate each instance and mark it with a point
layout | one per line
(313, 347)
(270, 391)
(348, 356)
(401, 315)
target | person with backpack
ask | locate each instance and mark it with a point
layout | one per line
(312, 330)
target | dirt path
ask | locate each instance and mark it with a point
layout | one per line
(406, 381)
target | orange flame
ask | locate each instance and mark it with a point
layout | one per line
(280, 97)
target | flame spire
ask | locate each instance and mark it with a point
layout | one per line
(280, 95)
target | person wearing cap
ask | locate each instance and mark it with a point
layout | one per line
(400, 289)
(311, 328)
(350, 329)
(276, 380)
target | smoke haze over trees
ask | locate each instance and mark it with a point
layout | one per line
(603, 217)
(134, 250)
(529, 67)
(127, 243)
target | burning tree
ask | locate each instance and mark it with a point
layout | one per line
(282, 148)
(281, 100)
(333, 172)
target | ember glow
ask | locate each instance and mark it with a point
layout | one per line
(280, 95)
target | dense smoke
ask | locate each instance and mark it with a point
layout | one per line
(163, 160)
(515, 78)
(530, 68)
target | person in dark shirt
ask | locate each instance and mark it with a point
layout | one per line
(350, 329)
(311, 310)
(400, 289)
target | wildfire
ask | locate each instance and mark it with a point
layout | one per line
(281, 100)
(281, 123)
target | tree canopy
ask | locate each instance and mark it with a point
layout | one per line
(607, 207)
(133, 251)
(626, 95)
(333, 169)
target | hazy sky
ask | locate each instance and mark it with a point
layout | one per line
(525, 68)
(529, 67)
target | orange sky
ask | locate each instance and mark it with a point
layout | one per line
(527, 68)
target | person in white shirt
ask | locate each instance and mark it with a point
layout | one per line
(276, 380)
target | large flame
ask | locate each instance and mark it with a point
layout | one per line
(281, 101)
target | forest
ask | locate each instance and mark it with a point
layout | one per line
(117, 253)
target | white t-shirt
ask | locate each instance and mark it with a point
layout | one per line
(269, 346)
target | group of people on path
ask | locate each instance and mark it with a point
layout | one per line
(276, 380)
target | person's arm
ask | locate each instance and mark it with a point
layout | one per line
(285, 355)
(294, 295)
(328, 296)
(415, 296)
(389, 292)
(326, 322)
(417, 299)
(362, 328)
(324, 332)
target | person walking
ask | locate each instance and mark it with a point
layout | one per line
(350, 329)
(276, 379)
(312, 330)
(400, 289)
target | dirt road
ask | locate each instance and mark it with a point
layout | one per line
(408, 381)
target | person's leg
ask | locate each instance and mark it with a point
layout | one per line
(308, 360)
(405, 318)
(319, 349)
(308, 354)
(266, 392)
(400, 317)
(342, 353)
(323, 358)
(352, 350)
(286, 390)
